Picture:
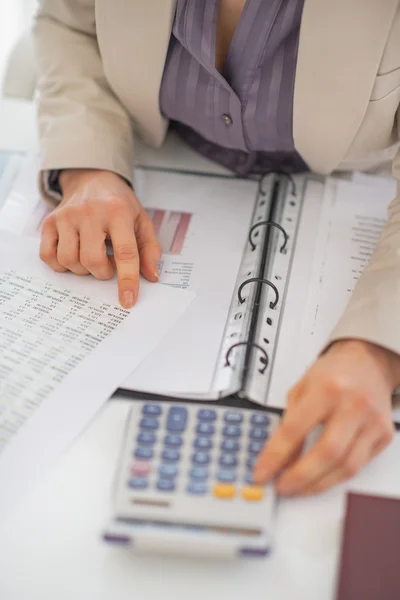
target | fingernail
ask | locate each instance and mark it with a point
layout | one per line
(127, 299)
(156, 271)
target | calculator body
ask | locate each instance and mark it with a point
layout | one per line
(184, 481)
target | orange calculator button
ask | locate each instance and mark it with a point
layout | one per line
(224, 490)
(253, 493)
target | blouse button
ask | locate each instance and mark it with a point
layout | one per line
(227, 119)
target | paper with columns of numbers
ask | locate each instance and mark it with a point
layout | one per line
(65, 346)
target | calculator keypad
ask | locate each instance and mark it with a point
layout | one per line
(197, 451)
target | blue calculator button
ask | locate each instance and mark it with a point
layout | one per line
(232, 417)
(177, 418)
(259, 419)
(173, 441)
(198, 473)
(149, 423)
(151, 410)
(165, 485)
(232, 431)
(228, 460)
(248, 478)
(226, 476)
(138, 483)
(206, 414)
(255, 447)
(144, 452)
(146, 438)
(170, 455)
(200, 458)
(197, 488)
(230, 446)
(205, 429)
(258, 433)
(202, 443)
(168, 471)
(251, 462)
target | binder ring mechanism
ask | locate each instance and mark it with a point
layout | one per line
(271, 285)
(268, 224)
(263, 359)
(290, 179)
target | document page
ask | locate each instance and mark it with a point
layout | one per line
(337, 237)
(202, 224)
(45, 333)
(65, 346)
(351, 223)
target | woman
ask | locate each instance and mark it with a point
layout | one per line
(258, 86)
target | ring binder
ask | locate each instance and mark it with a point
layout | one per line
(268, 224)
(291, 179)
(261, 280)
(263, 360)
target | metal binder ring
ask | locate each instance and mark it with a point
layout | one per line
(271, 304)
(268, 224)
(264, 359)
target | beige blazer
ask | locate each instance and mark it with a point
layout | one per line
(100, 67)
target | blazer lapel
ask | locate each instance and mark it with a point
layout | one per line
(133, 38)
(341, 44)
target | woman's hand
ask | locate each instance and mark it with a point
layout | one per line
(348, 390)
(97, 205)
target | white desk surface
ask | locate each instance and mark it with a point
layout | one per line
(51, 547)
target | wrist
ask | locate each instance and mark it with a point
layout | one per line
(388, 362)
(70, 179)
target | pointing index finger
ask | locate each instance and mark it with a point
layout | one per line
(126, 258)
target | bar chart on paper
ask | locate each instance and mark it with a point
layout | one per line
(172, 228)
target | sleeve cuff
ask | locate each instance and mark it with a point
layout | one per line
(91, 153)
(49, 187)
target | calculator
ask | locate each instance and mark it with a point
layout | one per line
(184, 482)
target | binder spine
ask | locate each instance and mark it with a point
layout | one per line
(249, 343)
(286, 212)
(228, 379)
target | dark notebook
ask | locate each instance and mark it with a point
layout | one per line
(370, 557)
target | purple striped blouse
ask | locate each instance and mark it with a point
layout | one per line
(242, 117)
